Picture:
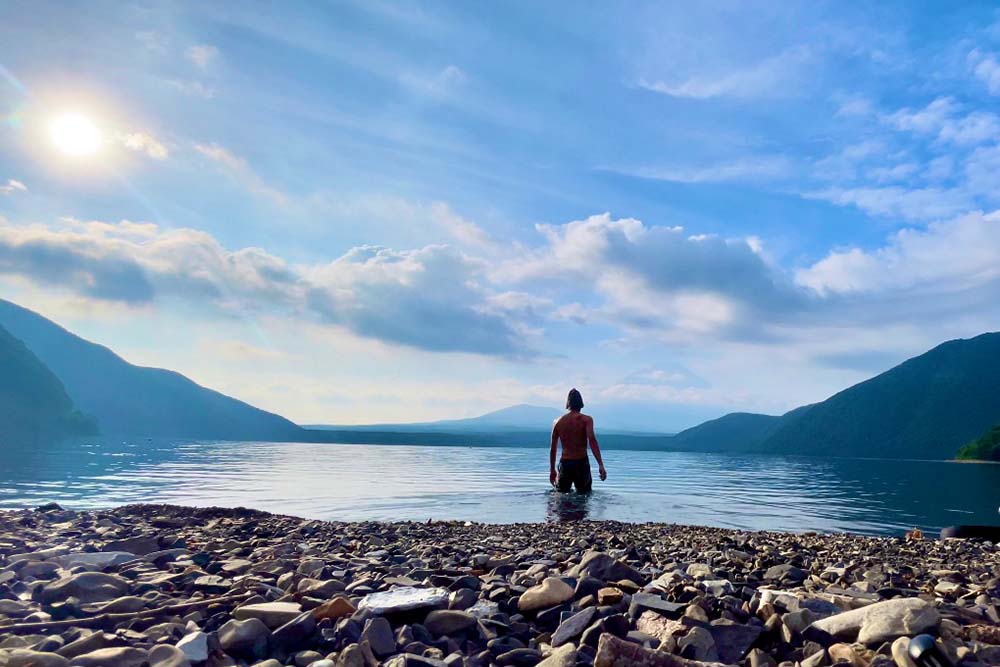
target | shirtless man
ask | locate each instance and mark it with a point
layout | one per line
(575, 430)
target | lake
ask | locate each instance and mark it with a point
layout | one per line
(504, 485)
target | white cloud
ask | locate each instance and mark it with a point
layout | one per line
(142, 142)
(940, 118)
(928, 203)
(745, 169)
(12, 186)
(202, 55)
(433, 298)
(774, 76)
(986, 69)
(958, 256)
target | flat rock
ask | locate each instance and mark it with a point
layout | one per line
(335, 608)
(647, 601)
(615, 652)
(734, 641)
(564, 656)
(659, 626)
(602, 566)
(25, 658)
(407, 598)
(573, 626)
(117, 656)
(248, 639)
(164, 655)
(94, 561)
(882, 621)
(195, 646)
(273, 614)
(551, 592)
(86, 587)
(447, 621)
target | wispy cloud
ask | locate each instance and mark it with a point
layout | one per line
(772, 77)
(238, 169)
(986, 68)
(760, 168)
(202, 55)
(12, 186)
(145, 143)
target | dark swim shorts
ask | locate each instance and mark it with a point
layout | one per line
(575, 472)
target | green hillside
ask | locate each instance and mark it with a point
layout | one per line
(927, 407)
(985, 448)
(33, 402)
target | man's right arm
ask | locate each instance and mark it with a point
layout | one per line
(552, 455)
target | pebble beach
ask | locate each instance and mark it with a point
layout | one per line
(169, 586)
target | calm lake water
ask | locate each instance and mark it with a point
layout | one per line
(392, 482)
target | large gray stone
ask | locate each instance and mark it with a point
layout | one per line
(602, 566)
(195, 646)
(164, 655)
(734, 640)
(882, 621)
(564, 656)
(273, 614)
(247, 639)
(405, 598)
(117, 656)
(573, 626)
(86, 587)
(378, 634)
(446, 621)
(25, 658)
(96, 561)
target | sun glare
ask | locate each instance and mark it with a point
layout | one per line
(75, 134)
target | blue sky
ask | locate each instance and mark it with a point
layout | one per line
(356, 212)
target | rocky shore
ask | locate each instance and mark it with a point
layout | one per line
(171, 586)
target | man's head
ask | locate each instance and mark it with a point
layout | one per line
(574, 401)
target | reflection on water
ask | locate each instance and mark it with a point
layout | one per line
(354, 482)
(568, 506)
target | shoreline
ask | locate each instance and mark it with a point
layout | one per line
(173, 586)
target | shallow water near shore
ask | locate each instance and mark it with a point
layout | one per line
(505, 485)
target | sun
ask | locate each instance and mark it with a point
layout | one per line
(74, 134)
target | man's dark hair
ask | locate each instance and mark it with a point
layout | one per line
(574, 401)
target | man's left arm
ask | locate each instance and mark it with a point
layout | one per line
(552, 455)
(596, 449)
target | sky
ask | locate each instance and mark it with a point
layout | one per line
(356, 212)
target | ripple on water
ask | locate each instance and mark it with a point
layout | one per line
(355, 482)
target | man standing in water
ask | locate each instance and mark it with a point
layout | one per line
(576, 431)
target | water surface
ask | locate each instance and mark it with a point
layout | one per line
(504, 485)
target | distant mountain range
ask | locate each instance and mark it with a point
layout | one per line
(521, 417)
(927, 407)
(129, 399)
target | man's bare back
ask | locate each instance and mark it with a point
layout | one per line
(575, 431)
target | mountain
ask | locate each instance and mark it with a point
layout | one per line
(514, 418)
(986, 448)
(734, 432)
(134, 400)
(33, 401)
(927, 407)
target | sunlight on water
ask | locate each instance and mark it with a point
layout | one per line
(393, 482)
